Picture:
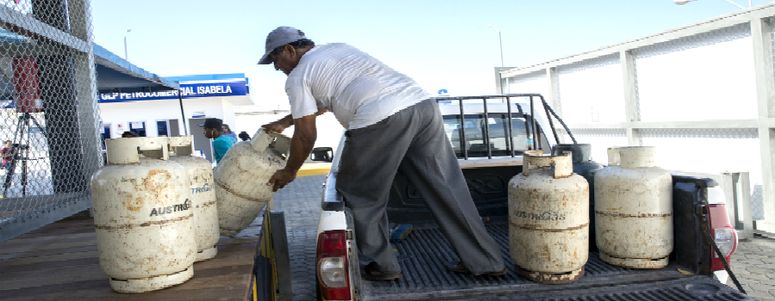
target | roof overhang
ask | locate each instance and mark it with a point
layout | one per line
(115, 74)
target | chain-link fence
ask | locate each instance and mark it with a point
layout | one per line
(48, 112)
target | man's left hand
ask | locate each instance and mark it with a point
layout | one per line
(281, 178)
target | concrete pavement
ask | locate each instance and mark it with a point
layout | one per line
(754, 265)
(300, 201)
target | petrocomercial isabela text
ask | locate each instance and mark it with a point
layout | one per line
(186, 91)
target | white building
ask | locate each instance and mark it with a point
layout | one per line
(159, 113)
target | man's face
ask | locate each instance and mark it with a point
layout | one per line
(211, 133)
(285, 59)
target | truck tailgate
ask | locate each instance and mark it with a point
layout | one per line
(424, 254)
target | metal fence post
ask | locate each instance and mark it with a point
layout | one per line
(737, 190)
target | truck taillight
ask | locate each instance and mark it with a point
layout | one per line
(332, 267)
(723, 234)
(726, 240)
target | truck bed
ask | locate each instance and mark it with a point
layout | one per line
(424, 254)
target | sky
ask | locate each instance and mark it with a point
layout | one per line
(452, 44)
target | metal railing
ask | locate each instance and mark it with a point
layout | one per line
(672, 91)
(533, 131)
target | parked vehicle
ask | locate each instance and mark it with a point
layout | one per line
(489, 135)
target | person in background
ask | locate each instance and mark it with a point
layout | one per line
(7, 153)
(227, 131)
(213, 128)
(244, 136)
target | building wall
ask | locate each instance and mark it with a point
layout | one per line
(119, 115)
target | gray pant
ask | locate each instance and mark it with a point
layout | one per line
(413, 141)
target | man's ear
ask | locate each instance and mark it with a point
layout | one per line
(291, 50)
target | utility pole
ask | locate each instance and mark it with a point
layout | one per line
(126, 56)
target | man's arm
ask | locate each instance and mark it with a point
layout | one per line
(281, 124)
(304, 136)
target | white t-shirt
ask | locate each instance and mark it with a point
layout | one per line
(359, 89)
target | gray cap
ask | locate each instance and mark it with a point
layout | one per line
(278, 37)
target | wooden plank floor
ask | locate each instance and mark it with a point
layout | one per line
(60, 262)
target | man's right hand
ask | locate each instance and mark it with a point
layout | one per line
(278, 126)
(273, 127)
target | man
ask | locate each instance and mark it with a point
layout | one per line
(221, 143)
(391, 125)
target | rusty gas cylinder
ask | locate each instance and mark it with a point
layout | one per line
(200, 175)
(634, 209)
(143, 216)
(549, 219)
(241, 177)
(584, 166)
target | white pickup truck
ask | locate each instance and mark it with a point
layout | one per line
(489, 134)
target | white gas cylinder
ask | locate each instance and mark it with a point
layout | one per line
(200, 176)
(634, 209)
(241, 177)
(549, 219)
(143, 217)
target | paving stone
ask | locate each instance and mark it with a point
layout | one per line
(754, 266)
(762, 296)
(760, 277)
(300, 202)
(756, 270)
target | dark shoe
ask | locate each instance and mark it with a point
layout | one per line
(372, 273)
(460, 268)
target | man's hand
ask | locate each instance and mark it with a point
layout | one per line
(279, 126)
(281, 178)
(303, 140)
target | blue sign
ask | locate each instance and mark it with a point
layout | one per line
(186, 90)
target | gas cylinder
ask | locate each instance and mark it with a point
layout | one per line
(143, 217)
(549, 219)
(241, 177)
(200, 176)
(585, 167)
(634, 209)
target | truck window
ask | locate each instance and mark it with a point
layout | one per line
(497, 125)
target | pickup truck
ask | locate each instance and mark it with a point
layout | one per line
(489, 135)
